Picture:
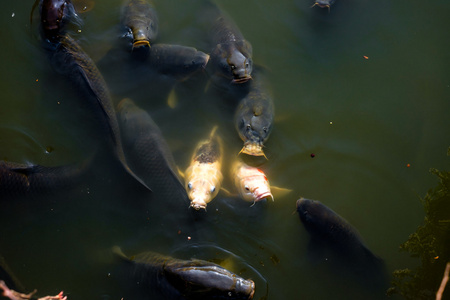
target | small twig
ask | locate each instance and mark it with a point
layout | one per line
(443, 282)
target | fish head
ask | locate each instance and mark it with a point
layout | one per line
(54, 15)
(312, 212)
(145, 33)
(201, 192)
(254, 129)
(195, 63)
(198, 279)
(232, 63)
(252, 184)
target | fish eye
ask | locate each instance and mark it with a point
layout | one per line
(213, 189)
(232, 67)
(246, 188)
(246, 65)
(265, 129)
(190, 185)
(249, 126)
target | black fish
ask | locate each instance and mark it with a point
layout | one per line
(148, 153)
(254, 116)
(20, 179)
(70, 60)
(231, 54)
(177, 61)
(141, 22)
(334, 240)
(186, 279)
(55, 15)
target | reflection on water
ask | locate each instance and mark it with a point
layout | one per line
(364, 119)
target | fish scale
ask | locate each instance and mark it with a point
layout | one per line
(70, 59)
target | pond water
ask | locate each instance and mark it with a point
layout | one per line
(365, 87)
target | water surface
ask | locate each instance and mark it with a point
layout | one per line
(365, 87)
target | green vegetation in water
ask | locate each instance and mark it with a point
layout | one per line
(430, 243)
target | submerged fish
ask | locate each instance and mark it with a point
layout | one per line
(231, 56)
(177, 61)
(187, 279)
(21, 179)
(323, 3)
(251, 182)
(141, 21)
(203, 177)
(254, 117)
(334, 240)
(70, 60)
(147, 152)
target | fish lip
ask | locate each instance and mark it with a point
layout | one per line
(253, 290)
(122, 103)
(206, 61)
(253, 149)
(322, 5)
(241, 79)
(141, 43)
(263, 196)
(197, 206)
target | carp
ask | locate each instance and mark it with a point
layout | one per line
(147, 151)
(177, 61)
(19, 179)
(141, 22)
(334, 240)
(186, 279)
(203, 177)
(254, 117)
(251, 182)
(231, 56)
(70, 60)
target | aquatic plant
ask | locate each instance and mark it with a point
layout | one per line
(430, 243)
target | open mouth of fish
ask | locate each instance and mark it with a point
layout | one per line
(321, 5)
(241, 79)
(266, 195)
(253, 149)
(141, 43)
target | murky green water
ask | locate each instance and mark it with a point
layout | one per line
(364, 119)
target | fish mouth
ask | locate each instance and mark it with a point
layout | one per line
(253, 149)
(123, 102)
(241, 79)
(141, 43)
(197, 205)
(252, 293)
(321, 5)
(264, 196)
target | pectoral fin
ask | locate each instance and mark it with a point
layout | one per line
(172, 99)
(279, 192)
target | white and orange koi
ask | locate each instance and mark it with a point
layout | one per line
(251, 183)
